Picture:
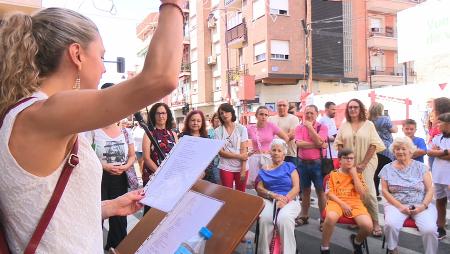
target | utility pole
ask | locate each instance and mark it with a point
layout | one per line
(306, 24)
(309, 44)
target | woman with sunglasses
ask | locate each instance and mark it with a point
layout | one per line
(360, 135)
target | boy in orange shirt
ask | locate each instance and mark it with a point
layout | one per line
(344, 191)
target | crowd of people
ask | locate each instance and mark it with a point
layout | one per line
(280, 156)
(53, 115)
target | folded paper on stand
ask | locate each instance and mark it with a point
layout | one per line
(194, 211)
(179, 171)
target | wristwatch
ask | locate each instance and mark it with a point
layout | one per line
(445, 152)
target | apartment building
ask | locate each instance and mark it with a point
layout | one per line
(253, 52)
(246, 52)
(356, 42)
(180, 97)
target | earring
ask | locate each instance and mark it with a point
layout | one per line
(76, 86)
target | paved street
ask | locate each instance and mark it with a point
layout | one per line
(308, 237)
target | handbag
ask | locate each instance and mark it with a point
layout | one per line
(263, 159)
(275, 243)
(326, 164)
(133, 181)
(70, 164)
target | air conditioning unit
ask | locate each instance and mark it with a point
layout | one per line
(212, 23)
(375, 29)
(212, 60)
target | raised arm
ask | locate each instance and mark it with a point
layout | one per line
(159, 77)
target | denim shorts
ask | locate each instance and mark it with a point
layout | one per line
(310, 172)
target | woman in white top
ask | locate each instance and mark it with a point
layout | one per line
(138, 135)
(115, 149)
(233, 156)
(56, 56)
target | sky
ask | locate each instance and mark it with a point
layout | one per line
(117, 27)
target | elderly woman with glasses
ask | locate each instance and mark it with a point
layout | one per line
(360, 135)
(278, 183)
(407, 187)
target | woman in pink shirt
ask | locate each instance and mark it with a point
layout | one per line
(261, 135)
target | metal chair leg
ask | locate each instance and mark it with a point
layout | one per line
(366, 245)
(257, 237)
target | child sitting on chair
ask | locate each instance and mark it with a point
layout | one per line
(344, 191)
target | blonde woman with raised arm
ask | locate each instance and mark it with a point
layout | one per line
(56, 57)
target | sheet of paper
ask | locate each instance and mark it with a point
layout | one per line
(194, 211)
(179, 171)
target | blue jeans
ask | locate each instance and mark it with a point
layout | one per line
(310, 171)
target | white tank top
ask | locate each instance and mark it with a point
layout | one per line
(76, 224)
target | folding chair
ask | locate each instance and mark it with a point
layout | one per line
(343, 220)
(408, 223)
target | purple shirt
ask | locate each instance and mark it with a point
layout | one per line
(263, 136)
(302, 134)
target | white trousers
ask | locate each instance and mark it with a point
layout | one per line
(425, 221)
(286, 227)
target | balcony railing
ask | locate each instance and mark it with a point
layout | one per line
(235, 74)
(185, 67)
(237, 33)
(391, 71)
(387, 32)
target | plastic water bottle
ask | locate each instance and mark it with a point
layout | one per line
(195, 245)
(248, 247)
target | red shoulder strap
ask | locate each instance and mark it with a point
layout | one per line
(13, 106)
(70, 164)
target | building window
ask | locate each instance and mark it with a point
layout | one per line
(260, 51)
(279, 7)
(279, 50)
(234, 20)
(217, 84)
(194, 87)
(375, 25)
(259, 9)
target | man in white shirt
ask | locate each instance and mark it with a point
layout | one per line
(328, 120)
(440, 170)
(287, 122)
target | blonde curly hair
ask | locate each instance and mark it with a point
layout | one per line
(31, 48)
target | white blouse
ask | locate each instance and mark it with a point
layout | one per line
(76, 224)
